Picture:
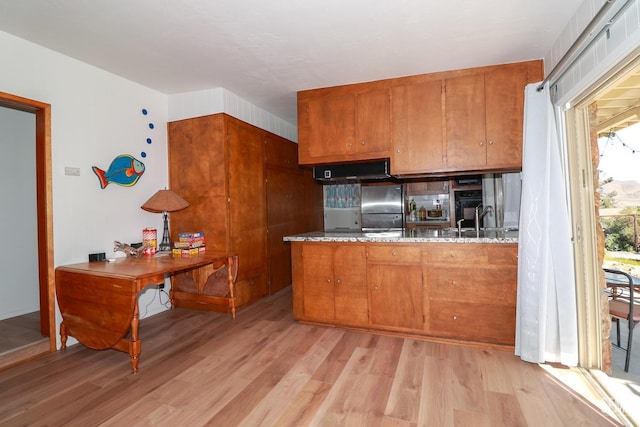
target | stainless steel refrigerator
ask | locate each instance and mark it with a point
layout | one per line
(382, 207)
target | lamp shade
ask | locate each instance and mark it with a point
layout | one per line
(165, 201)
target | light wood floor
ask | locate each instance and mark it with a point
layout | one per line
(20, 331)
(20, 339)
(264, 369)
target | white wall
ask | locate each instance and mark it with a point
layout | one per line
(18, 220)
(606, 52)
(219, 100)
(95, 116)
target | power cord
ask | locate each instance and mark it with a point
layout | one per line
(166, 304)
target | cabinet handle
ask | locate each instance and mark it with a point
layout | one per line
(453, 282)
(490, 142)
(453, 255)
(338, 281)
(362, 142)
(481, 143)
(328, 280)
(398, 151)
(455, 317)
(375, 288)
(393, 253)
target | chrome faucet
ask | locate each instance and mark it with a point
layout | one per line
(459, 222)
(480, 213)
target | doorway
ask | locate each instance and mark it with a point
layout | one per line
(44, 219)
(610, 105)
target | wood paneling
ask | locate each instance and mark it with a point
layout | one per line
(245, 192)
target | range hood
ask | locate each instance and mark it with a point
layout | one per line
(352, 171)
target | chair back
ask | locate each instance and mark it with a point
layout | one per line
(621, 293)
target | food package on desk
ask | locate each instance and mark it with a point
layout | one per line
(190, 240)
(187, 252)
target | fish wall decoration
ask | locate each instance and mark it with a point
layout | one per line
(124, 170)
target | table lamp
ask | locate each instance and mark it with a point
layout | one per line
(165, 201)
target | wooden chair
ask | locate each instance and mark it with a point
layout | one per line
(624, 304)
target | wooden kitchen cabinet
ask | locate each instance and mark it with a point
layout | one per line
(439, 123)
(471, 291)
(439, 186)
(459, 292)
(418, 144)
(218, 164)
(484, 113)
(286, 184)
(343, 125)
(330, 284)
(394, 276)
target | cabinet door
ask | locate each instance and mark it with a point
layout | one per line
(373, 124)
(326, 127)
(349, 271)
(417, 128)
(465, 122)
(280, 152)
(285, 200)
(504, 94)
(197, 173)
(396, 295)
(317, 273)
(247, 205)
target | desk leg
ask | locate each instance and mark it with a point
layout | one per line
(63, 336)
(134, 344)
(172, 293)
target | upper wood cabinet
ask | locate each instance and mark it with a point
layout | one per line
(449, 122)
(343, 126)
(418, 144)
(484, 115)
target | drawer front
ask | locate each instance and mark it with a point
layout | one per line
(474, 322)
(451, 253)
(499, 254)
(480, 285)
(393, 254)
(472, 253)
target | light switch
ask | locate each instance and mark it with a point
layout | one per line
(72, 171)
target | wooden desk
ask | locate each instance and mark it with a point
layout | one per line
(99, 300)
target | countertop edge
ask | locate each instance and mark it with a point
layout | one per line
(353, 237)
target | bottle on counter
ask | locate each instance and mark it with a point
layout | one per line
(412, 210)
(422, 213)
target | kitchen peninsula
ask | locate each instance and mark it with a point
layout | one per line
(428, 283)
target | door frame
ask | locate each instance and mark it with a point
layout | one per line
(44, 207)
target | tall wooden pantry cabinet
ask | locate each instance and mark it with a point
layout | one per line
(246, 191)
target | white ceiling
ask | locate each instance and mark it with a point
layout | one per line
(267, 50)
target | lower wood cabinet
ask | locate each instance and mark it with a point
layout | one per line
(394, 277)
(453, 291)
(335, 287)
(472, 291)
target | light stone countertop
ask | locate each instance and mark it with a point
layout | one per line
(413, 235)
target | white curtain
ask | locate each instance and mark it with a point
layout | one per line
(546, 323)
